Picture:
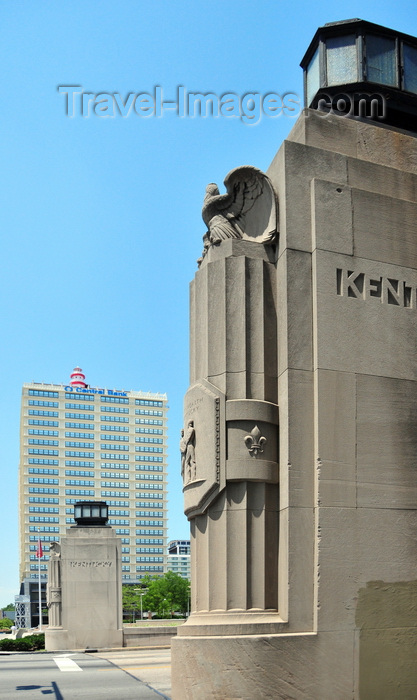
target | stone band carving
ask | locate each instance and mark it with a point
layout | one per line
(202, 446)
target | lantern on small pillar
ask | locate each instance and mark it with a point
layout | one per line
(91, 513)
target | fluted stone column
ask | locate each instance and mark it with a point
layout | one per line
(232, 499)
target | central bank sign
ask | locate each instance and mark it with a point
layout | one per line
(90, 390)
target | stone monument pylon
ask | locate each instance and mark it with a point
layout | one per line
(84, 584)
(230, 441)
(299, 450)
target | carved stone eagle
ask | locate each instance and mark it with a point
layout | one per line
(248, 211)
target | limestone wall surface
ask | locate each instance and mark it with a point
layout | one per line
(346, 313)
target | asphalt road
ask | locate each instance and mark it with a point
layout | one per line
(118, 675)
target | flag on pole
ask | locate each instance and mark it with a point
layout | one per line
(39, 551)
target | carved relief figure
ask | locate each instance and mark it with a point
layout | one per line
(248, 210)
(53, 594)
(187, 449)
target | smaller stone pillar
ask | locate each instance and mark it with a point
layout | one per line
(85, 590)
(53, 591)
(229, 443)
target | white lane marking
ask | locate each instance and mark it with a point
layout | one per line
(66, 664)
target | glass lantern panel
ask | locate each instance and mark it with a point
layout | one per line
(95, 511)
(410, 68)
(381, 63)
(341, 60)
(86, 512)
(77, 513)
(313, 77)
(104, 511)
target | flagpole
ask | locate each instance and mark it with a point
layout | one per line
(39, 582)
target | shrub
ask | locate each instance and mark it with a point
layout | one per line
(31, 643)
(5, 623)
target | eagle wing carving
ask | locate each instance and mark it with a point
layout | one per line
(247, 211)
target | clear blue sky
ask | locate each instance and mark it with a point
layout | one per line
(101, 217)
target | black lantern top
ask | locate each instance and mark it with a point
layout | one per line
(361, 69)
(91, 513)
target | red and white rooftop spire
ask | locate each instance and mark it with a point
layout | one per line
(77, 377)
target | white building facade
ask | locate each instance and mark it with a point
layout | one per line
(179, 559)
(84, 443)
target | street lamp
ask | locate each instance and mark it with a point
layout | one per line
(142, 592)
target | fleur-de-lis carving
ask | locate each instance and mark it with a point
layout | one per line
(255, 442)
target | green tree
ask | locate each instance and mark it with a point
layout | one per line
(167, 594)
(164, 595)
(130, 600)
(131, 597)
(10, 606)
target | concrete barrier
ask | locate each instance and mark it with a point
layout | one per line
(148, 636)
